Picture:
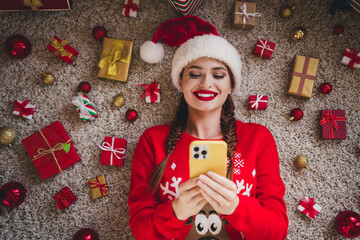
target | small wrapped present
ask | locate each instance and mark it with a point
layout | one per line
(264, 48)
(24, 109)
(152, 92)
(333, 124)
(62, 49)
(355, 5)
(186, 7)
(245, 15)
(351, 58)
(64, 198)
(309, 207)
(51, 150)
(303, 76)
(115, 59)
(130, 8)
(258, 102)
(34, 5)
(98, 186)
(84, 107)
(113, 151)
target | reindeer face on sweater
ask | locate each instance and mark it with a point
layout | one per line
(207, 225)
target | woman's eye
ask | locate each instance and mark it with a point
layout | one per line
(195, 75)
(219, 76)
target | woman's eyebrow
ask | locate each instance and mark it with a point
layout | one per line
(219, 68)
(195, 66)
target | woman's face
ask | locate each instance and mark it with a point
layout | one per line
(206, 84)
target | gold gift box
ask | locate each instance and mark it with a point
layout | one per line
(98, 186)
(303, 76)
(115, 59)
(240, 20)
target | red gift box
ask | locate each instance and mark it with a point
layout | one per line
(264, 49)
(62, 49)
(333, 124)
(258, 102)
(113, 151)
(35, 5)
(51, 150)
(64, 198)
(152, 92)
(24, 109)
(309, 207)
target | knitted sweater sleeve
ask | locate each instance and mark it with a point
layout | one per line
(148, 218)
(263, 216)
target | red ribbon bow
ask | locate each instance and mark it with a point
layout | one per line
(102, 187)
(21, 107)
(130, 5)
(331, 119)
(309, 207)
(354, 58)
(150, 90)
(63, 196)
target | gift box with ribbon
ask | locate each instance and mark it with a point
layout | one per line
(51, 150)
(152, 92)
(98, 186)
(130, 8)
(24, 109)
(351, 58)
(333, 124)
(85, 107)
(309, 207)
(264, 48)
(115, 59)
(62, 49)
(245, 15)
(185, 7)
(64, 198)
(303, 76)
(34, 5)
(258, 102)
(113, 151)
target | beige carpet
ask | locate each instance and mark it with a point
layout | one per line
(334, 176)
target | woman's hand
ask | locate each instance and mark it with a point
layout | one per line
(220, 192)
(190, 200)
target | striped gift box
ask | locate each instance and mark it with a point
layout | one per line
(185, 7)
(355, 4)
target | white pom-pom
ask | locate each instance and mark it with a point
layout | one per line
(152, 52)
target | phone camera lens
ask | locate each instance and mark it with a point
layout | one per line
(203, 152)
(196, 156)
(196, 149)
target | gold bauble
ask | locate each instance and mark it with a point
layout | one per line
(7, 135)
(119, 100)
(286, 11)
(298, 33)
(302, 161)
(47, 78)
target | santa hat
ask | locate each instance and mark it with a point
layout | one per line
(196, 38)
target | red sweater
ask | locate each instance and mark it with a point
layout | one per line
(261, 213)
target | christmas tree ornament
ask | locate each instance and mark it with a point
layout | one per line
(47, 78)
(286, 11)
(338, 29)
(86, 234)
(84, 87)
(99, 33)
(119, 100)
(7, 135)
(325, 88)
(18, 46)
(12, 194)
(348, 224)
(302, 161)
(296, 114)
(298, 33)
(131, 115)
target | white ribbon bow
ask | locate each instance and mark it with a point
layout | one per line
(246, 14)
(257, 101)
(107, 147)
(264, 46)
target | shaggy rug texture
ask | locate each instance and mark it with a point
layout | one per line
(333, 178)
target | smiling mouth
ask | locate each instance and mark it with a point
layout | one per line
(205, 95)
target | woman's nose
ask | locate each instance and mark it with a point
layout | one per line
(206, 81)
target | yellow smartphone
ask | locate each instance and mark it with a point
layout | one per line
(207, 156)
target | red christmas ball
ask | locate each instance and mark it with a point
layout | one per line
(18, 46)
(131, 115)
(86, 234)
(296, 114)
(99, 33)
(12, 194)
(348, 224)
(325, 88)
(338, 29)
(84, 87)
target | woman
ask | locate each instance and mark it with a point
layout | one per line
(163, 202)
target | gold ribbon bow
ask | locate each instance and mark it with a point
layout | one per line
(34, 4)
(59, 46)
(118, 54)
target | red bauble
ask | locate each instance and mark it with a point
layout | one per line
(296, 114)
(348, 224)
(325, 88)
(84, 87)
(131, 115)
(338, 29)
(86, 234)
(18, 46)
(99, 33)
(12, 194)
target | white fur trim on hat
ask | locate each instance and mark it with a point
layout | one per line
(210, 46)
(152, 52)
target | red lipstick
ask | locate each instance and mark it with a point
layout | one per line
(205, 95)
